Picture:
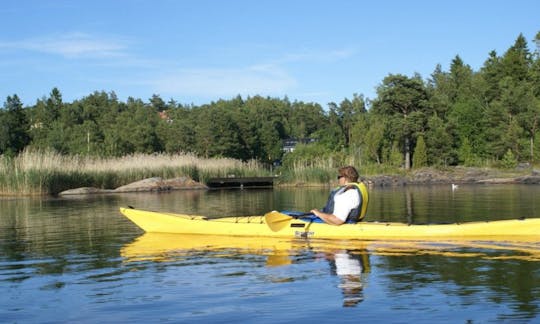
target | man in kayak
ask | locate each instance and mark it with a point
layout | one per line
(348, 202)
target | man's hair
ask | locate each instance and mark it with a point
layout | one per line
(349, 172)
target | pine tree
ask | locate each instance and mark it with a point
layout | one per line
(420, 153)
(14, 127)
(400, 97)
(509, 161)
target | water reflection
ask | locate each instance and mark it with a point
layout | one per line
(351, 267)
(349, 260)
(82, 254)
(163, 246)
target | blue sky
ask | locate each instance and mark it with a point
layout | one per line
(200, 51)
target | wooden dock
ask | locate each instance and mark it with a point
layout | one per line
(240, 182)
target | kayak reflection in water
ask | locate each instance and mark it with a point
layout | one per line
(350, 268)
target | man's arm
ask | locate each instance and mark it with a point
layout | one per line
(327, 218)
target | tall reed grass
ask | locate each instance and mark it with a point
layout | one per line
(323, 170)
(47, 172)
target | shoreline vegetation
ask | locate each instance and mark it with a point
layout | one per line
(458, 125)
(34, 173)
(49, 173)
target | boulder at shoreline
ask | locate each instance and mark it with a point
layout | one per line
(159, 184)
(156, 184)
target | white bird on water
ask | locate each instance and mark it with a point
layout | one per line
(454, 186)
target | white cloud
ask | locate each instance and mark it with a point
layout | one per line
(71, 45)
(260, 79)
(272, 75)
(270, 78)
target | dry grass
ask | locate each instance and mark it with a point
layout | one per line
(48, 161)
(46, 172)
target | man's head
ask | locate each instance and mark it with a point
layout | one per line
(348, 172)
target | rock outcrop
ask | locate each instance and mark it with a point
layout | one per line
(156, 184)
(159, 184)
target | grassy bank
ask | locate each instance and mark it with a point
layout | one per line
(46, 173)
(323, 170)
(43, 173)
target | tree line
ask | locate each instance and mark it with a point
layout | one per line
(454, 117)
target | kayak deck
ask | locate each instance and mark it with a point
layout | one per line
(255, 226)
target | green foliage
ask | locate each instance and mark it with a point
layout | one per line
(306, 156)
(330, 134)
(368, 137)
(420, 154)
(405, 99)
(14, 127)
(534, 145)
(304, 119)
(394, 156)
(467, 118)
(466, 154)
(509, 161)
(439, 142)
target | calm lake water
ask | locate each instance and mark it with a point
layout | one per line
(79, 260)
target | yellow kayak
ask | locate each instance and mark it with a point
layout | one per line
(276, 224)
